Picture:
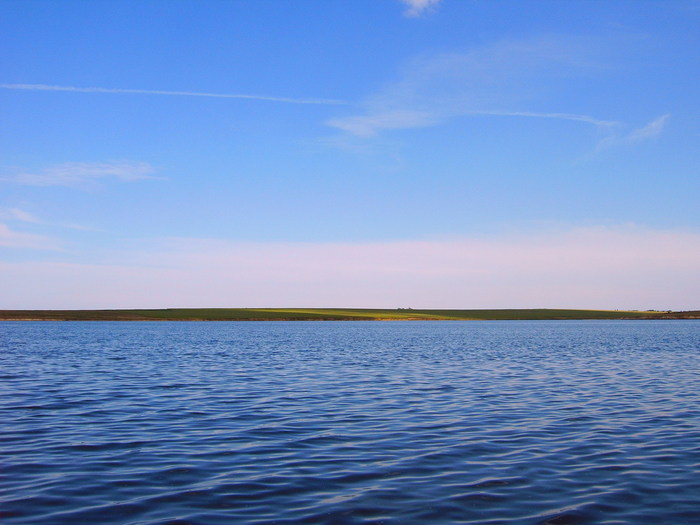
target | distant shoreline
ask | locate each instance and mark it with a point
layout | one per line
(335, 314)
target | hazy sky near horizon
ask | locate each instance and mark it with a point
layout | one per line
(365, 153)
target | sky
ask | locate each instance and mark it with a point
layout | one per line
(373, 153)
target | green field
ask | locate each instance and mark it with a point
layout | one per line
(330, 314)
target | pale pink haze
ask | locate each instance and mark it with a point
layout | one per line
(625, 268)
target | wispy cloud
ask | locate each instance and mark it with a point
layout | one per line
(416, 8)
(74, 89)
(13, 239)
(649, 131)
(369, 125)
(562, 116)
(19, 215)
(485, 81)
(83, 174)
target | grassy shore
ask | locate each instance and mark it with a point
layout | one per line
(330, 314)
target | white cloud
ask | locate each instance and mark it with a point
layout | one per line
(16, 214)
(19, 215)
(418, 7)
(74, 89)
(484, 81)
(651, 130)
(561, 116)
(83, 174)
(368, 125)
(622, 267)
(647, 132)
(14, 239)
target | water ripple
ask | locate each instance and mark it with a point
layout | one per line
(207, 423)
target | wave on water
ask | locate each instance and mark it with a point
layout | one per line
(545, 422)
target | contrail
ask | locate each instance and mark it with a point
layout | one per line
(45, 87)
(564, 116)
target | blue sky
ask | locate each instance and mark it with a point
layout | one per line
(376, 153)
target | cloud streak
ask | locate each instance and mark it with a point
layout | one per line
(370, 125)
(561, 116)
(83, 174)
(649, 131)
(483, 81)
(74, 89)
(10, 238)
(19, 215)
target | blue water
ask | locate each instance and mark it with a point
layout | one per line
(559, 422)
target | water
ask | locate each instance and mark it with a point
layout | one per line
(558, 422)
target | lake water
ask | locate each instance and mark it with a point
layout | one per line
(557, 422)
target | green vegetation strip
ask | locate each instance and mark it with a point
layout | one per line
(330, 314)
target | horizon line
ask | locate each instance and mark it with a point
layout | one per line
(342, 308)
